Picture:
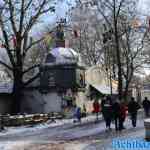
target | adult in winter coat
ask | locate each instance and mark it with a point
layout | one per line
(116, 114)
(123, 114)
(107, 111)
(133, 107)
(77, 114)
(96, 108)
(146, 106)
(84, 111)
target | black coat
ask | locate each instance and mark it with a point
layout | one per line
(146, 104)
(116, 109)
(106, 109)
(133, 107)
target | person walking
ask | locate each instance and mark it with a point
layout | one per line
(116, 114)
(123, 114)
(77, 114)
(146, 106)
(84, 112)
(107, 112)
(133, 108)
(96, 108)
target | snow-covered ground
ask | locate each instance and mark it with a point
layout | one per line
(67, 135)
(57, 123)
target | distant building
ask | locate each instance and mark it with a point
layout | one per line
(5, 97)
(97, 84)
(61, 75)
(145, 91)
(97, 77)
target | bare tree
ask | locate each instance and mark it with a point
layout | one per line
(17, 19)
(114, 13)
(87, 34)
(132, 45)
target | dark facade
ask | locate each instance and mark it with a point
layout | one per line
(61, 77)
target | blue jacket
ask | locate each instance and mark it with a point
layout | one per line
(78, 112)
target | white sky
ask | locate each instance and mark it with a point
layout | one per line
(144, 6)
(61, 8)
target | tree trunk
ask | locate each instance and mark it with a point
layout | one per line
(126, 93)
(118, 53)
(17, 90)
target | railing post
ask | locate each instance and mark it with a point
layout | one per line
(1, 123)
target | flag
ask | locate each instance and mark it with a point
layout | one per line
(76, 35)
(149, 24)
(14, 41)
(2, 46)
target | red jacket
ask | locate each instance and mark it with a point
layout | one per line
(96, 107)
(123, 110)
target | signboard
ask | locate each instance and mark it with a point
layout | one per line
(51, 79)
(62, 77)
(6, 87)
(80, 78)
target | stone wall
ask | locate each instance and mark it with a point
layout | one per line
(35, 102)
(5, 104)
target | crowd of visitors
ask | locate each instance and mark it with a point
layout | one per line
(115, 111)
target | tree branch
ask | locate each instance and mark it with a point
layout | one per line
(7, 46)
(28, 5)
(21, 16)
(31, 80)
(5, 65)
(11, 11)
(120, 5)
(34, 18)
(30, 68)
(31, 45)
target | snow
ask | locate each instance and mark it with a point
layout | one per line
(9, 145)
(77, 146)
(74, 133)
(24, 129)
(65, 55)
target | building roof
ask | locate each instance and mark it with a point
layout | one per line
(97, 78)
(104, 89)
(62, 55)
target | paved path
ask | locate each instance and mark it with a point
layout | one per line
(85, 136)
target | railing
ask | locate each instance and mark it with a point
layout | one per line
(19, 120)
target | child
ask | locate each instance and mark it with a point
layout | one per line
(84, 111)
(77, 114)
(96, 108)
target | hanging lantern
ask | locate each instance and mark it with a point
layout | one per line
(14, 41)
(2, 45)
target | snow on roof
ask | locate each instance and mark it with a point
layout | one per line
(104, 89)
(97, 78)
(63, 55)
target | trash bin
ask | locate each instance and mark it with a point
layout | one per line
(147, 129)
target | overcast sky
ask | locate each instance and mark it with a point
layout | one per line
(144, 6)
